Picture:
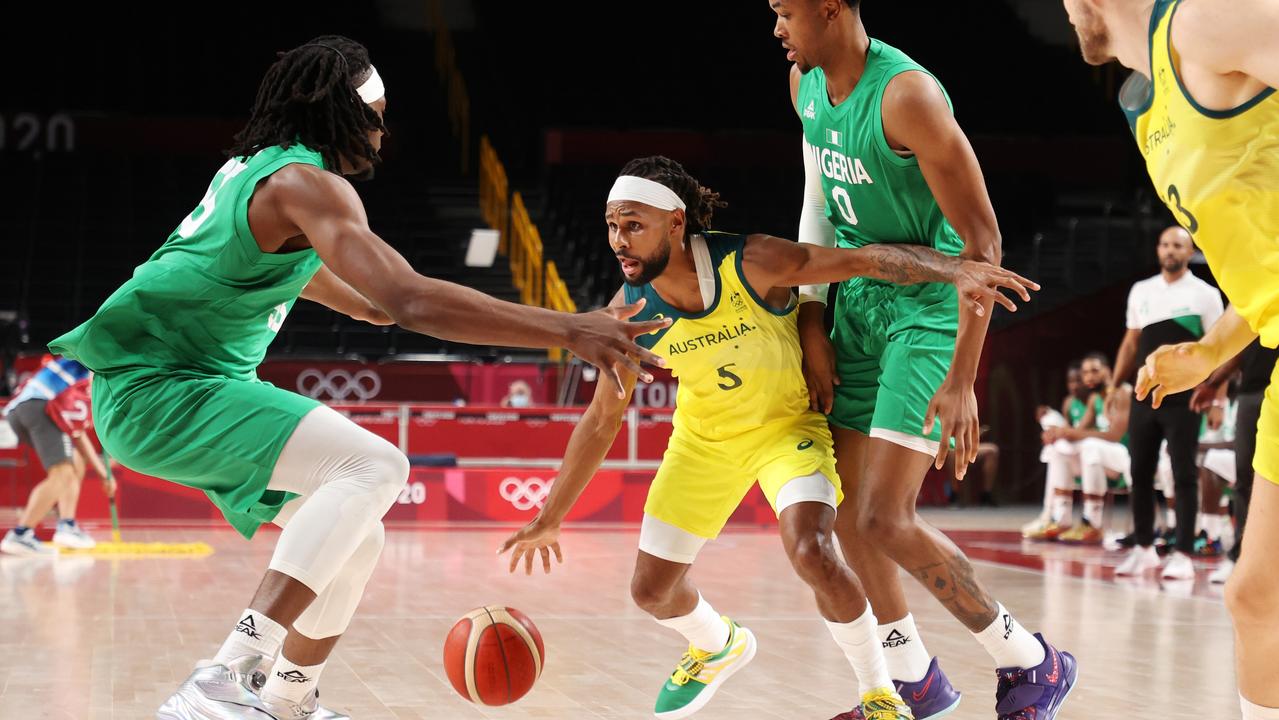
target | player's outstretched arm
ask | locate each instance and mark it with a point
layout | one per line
(773, 262)
(918, 120)
(326, 209)
(587, 446)
(332, 292)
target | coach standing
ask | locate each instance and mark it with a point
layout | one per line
(1171, 307)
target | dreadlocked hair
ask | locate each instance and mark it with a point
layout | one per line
(309, 96)
(701, 201)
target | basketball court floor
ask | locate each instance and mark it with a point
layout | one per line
(86, 638)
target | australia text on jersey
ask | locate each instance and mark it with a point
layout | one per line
(701, 341)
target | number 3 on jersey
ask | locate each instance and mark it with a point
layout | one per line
(202, 211)
(844, 203)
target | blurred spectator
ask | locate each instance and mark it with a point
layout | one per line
(518, 395)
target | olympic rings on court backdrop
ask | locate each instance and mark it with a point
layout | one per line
(339, 384)
(524, 494)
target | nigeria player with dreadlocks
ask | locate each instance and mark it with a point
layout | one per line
(175, 351)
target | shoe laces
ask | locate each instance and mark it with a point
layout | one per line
(1007, 681)
(885, 704)
(690, 666)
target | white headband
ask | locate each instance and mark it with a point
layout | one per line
(638, 189)
(372, 89)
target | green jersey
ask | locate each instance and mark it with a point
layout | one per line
(209, 301)
(1077, 411)
(893, 343)
(176, 349)
(873, 194)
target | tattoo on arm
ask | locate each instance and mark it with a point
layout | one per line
(909, 264)
(953, 584)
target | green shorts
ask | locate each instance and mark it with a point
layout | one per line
(214, 434)
(893, 347)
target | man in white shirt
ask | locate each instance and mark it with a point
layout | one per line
(1171, 307)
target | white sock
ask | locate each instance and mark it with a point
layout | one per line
(1256, 712)
(254, 634)
(1170, 516)
(291, 681)
(861, 645)
(1093, 510)
(904, 650)
(1207, 523)
(703, 628)
(1010, 644)
(1062, 506)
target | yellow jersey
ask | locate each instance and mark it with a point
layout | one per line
(1218, 172)
(738, 361)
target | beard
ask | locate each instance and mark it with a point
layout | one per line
(1173, 265)
(653, 266)
(1094, 38)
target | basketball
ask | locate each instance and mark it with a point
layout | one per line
(493, 655)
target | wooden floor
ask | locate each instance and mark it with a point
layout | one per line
(84, 638)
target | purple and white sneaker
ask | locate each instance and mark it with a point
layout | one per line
(931, 697)
(1036, 693)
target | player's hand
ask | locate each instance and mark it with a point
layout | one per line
(1202, 398)
(977, 282)
(1172, 369)
(109, 486)
(606, 340)
(1215, 417)
(955, 406)
(820, 373)
(538, 537)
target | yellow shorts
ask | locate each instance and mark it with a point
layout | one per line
(1266, 458)
(701, 482)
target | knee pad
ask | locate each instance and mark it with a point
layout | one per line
(331, 611)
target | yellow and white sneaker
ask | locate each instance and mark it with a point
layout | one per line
(885, 704)
(700, 673)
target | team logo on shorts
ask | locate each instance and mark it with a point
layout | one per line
(804, 445)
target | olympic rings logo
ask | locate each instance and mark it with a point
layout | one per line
(524, 494)
(339, 384)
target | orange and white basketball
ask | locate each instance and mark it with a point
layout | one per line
(493, 655)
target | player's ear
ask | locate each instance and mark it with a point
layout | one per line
(678, 221)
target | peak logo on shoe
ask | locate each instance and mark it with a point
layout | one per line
(896, 639)
(248, 627)
(292, 676)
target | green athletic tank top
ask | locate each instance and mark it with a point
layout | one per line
(873, 195)
(209, 301)
(1077, 411)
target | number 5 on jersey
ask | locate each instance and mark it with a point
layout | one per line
(733, 382)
